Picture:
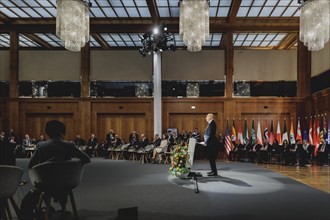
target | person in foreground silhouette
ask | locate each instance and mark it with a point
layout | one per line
(211, 143)
(57, 149)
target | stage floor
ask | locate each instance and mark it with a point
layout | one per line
(242, 191)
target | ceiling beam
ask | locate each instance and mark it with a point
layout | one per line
(4, 18)
(153, 11)
(288, 41)
(143, 25)
(38, 40)
(233, 11)
(101, 41)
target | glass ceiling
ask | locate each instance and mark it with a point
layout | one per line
(139, 8)
(136, 9)
(257, 39)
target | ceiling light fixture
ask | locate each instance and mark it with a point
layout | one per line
(314, 23)
(72, 23)
(194, 23)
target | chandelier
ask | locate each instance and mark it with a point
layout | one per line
(314, 23)
(72, 23)
(194, 23)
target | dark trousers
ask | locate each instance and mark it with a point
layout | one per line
(212, 153)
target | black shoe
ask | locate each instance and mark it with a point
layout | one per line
(209, 172)
(212, 174)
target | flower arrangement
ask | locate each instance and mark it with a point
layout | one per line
(180, 157)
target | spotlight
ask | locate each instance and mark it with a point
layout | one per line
(156, 40)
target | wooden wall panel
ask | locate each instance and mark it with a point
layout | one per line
(34, 114)
(122, 124)
(3, 117)
(321, 102)
(122, 116)
(35, 124)
(190, 121)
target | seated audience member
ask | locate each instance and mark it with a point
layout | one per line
(134, 141)
(41, 138)
(170, 140)
(57, 149)
(276, 149)
(254, 153)
(303, 153)
(196, 135)
(159, 148)
(28, 142)
(118, 141)
(103, 148)
(234, 153)
(7, 150)
(322, 153)
(79, 142)
(184, 137)
(131, 135)
(110, 138)
(221, 142)
(144, 142)
(264, 151)
(243, 152)
(91, 145)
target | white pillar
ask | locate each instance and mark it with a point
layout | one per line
(157, 69)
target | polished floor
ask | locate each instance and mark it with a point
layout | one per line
(315, 176)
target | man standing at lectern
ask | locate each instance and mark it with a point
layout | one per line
(211, 143)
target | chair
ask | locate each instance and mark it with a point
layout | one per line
(53, 178)
(10, 178)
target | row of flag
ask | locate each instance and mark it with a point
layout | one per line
(318, 130)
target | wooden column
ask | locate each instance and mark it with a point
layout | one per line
(229, 64)
(13, 65)
(12, 105)
(304, 79)
(303, 71)
(85, 71)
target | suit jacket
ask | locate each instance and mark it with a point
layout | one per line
(57, 150)
(92, 142)
(210, 131)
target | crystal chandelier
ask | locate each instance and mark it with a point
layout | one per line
(314, 23)
(72, 23)
(194, 23)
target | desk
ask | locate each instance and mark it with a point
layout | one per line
(29, 151)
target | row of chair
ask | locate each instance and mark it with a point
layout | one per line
(48, 178)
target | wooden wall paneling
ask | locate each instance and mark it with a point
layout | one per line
(13, 116)
(3, 117)
(35, 124)
(85, 71)
(303, 71)
(190, 113)
(321, 102)
(121, 123)
(229, 64)
(44, 109)
(84, 121)
(129, 109)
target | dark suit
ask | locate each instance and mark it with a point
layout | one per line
(211, 144)
(57, 150)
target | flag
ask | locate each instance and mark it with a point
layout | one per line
(316, 144)
(316, 135)
(322, 130)
(305, 138)
(253, 134)
(271, 135)
(285, 132)
(239, 133)
(298, 137)
(259, 136)
(233, 132)
(278, 133)
(329, 131)
(227, 140)
(292, 140)
(246, 132)
(310, 132)
(325, 128)
(266, 136)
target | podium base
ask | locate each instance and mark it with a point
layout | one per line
(194, 176)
